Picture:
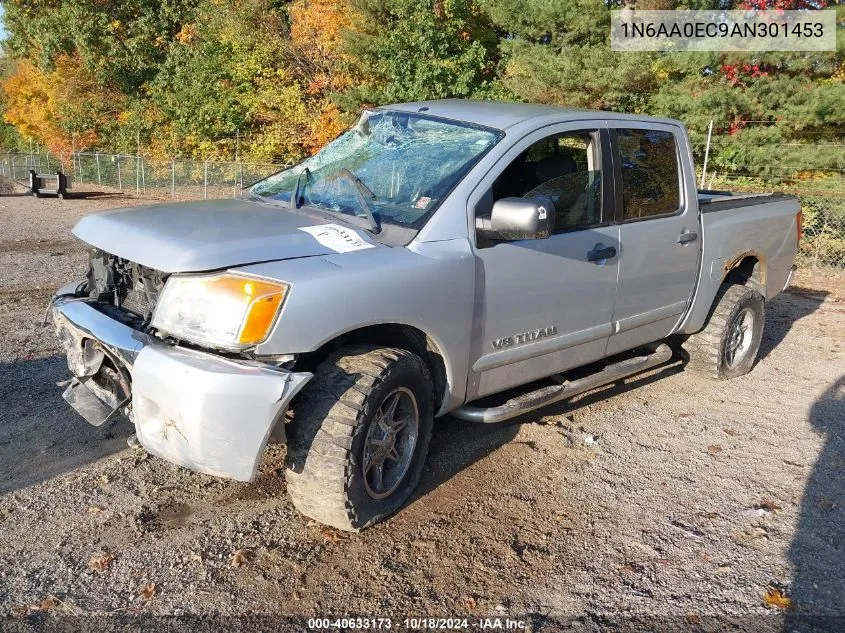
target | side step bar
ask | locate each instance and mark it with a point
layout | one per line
(553, 393)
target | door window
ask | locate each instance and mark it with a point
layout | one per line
(564, 168)
(649, 164)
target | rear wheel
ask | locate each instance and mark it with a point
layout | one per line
(727, 346)
(360, 436)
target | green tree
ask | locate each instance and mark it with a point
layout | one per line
(229, 71)
(406, 50)
(559, 53)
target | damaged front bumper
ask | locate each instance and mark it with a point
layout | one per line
(196, 409)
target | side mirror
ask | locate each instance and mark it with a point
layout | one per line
(519, 219)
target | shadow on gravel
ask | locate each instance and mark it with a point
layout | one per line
(781, 314)
(40, 435)
(456, 444)
(90, 195)
(817, 552)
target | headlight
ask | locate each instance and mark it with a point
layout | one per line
(223, 310)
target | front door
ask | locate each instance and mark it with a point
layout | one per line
(660, 234)
(547, 305)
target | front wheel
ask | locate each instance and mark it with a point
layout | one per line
(727, 346)
(360, 436)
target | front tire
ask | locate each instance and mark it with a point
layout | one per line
(360, 436)
(727, 346)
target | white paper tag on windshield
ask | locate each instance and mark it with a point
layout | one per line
(336, 237)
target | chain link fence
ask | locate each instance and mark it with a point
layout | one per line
(175, 179)
(822, 193)
(809, 163)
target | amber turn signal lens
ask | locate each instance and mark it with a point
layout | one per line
(263, 300)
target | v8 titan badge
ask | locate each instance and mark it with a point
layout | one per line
(338, 238)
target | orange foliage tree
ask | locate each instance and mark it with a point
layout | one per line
(317, 29)
(64, 109)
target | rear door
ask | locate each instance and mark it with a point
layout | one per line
(659, 232)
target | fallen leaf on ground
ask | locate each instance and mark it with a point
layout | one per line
(776, 598)
(330, 536)
(19, 611)
(714, 449)
(196, 557)
(750, 534)
(101, 563)
(471, 603)
(103, 479)
(731, 432)
(147, 591)
(94, 509)
(48, 604)
(241, 557)
(768, 504)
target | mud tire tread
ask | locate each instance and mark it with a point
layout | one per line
(706, 348)
(330, 416)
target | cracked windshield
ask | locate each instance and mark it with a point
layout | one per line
(393, 167)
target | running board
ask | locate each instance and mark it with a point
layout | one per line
(553, 393)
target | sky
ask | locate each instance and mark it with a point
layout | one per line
(2, 25)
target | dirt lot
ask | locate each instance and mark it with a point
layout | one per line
(669, 498)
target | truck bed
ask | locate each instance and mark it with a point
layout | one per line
(710, 200)
(738, 225)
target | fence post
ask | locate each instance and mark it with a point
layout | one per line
(99, 178)
(79, 160)
(119, 180)
(819, 245)
(205, 182)
(173, 178)
(143, 174)
(137, 174)
(706, 154)
(13, 167)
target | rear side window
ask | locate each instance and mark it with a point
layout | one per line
(650, 183)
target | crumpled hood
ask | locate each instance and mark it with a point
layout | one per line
(208, 235)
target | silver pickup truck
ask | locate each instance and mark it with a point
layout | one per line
(430, 258)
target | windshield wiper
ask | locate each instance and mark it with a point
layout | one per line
(294, 194)
(363, 192)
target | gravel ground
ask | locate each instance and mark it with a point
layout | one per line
(668, 498)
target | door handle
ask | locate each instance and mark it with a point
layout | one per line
(600, 253)
(687, 236)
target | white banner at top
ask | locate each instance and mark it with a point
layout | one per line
(632, 30)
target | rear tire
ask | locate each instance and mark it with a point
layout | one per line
(351, 461)
(727, 346)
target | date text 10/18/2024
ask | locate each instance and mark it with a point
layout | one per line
(418, 624)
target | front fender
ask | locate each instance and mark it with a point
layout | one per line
(429, 286)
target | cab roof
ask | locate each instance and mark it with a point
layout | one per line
(503, 114)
